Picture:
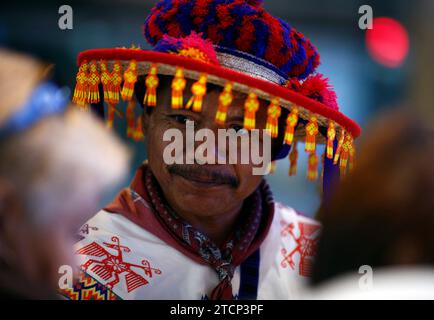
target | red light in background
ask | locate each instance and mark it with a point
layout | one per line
(388, 42)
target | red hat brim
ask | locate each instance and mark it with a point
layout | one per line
(219, 75)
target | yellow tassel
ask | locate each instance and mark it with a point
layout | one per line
(198, 89)
(178, 86)
(291, 122)
(138, 132)
(273, 166)
(105, 79)
(152, 82)
(225, 100)
(311, 132)
(352, 157)
(112, 111)
(293, 158)
(331, 135)
(93, 81)
(115, 84)
(274, 112)
(312, 168)
(80, 92)
(250, 107)
(345, 153)
(323, 161)
(131, 118)
(110, 115)
(130, 79)
(339, 147)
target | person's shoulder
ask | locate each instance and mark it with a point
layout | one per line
(287, 253)
(100, 221)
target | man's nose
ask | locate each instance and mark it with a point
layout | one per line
(219, 150)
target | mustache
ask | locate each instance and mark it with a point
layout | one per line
(192, 171)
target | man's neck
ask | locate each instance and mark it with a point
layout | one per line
(216, 227)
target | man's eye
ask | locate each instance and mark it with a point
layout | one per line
(180, 118)
(239, 129)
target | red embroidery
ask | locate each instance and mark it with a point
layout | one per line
(112, 266)
(85, 229)
(306, 246)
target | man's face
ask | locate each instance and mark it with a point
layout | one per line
(209, 189)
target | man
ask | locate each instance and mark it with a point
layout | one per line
(193, 229)
(55, 167)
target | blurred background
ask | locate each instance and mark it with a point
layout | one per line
(386, 68)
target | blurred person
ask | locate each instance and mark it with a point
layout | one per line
(382, 217)
(206, 230)
(55, 166)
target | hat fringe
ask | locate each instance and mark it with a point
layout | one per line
(272, 167)
(312, 167)
(116, 85)
(80, 92)
(339, 148)
(311, 132)
(152, 83)
(178, 86)
(131, 118)
(274, 112)
(225, 100)
(198, 89)
(293, 158)
(130, 79)
(93, 83)
(331, 135)
(251, 106)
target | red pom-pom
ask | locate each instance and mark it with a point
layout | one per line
(318, 88)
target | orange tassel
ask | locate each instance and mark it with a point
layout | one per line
(291, 122)
(112, 111)
(293, 158)
(198, 89)
(93, 81)
(225, 100)
(311, 132)
(331, 135)
(110, 115)
(80, 92)
(323, 161)
(352, 156)
(131, 118)
(105, 79)
(274, 112)
(312, 168)
(130, 79)
(152, 82)
(178, 86)
(250, 107)
(138, 132)
(115, 84)
(345, 153)
(273, 166)
(339, 148)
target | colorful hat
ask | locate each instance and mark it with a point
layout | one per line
(239, 46)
